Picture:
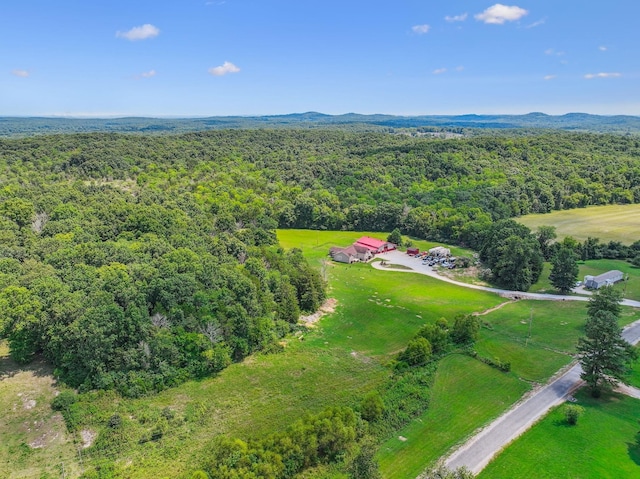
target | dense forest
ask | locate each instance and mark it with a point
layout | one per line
(137, 262)
(471, 124)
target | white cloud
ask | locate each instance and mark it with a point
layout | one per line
(551, 51)
(20, 73)
(589, 76)
(439, 71)
(457, 18)
(421, 29)
(149, 74)
(602, 48)
(499, 14)
(549, 77)
(140, 33)
(226, 67)
(537, 24)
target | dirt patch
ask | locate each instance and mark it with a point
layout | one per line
(471, 274)
(360, 357)
(329, 306)
(87, 436)
(490, 310)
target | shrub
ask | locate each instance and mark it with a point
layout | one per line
(115, 421)
(572, 413)
(372, 407)
(418, 352)
(465, 329)
(63, 401)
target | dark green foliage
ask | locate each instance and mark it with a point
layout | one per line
(466, 328)
(437, 335)
(324, 438)
(605, 299)
(115, 421)
(504, 366)
(137, 262)
(139, 283)
(372, 407)
(395, 237)
(418, 352)
(364, 464)
(63, 401)
(405, 396)
(513, 254)
(564, 270)
(546, 234)
(572, 413)
(604, 356)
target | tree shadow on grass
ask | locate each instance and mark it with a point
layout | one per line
(9, 368)
(634, 449)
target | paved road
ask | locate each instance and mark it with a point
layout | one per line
(403, 259)
(480, 449)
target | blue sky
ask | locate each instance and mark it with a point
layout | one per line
(246, 57)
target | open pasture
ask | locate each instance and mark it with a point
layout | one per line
(609, 223)
(466, 394)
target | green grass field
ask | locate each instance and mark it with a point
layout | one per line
(335, 363)
(594, 267)
(612, 222)
(634, 377)
(604, 444)
(466, 395)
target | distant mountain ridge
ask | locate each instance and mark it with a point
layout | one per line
(26, 126)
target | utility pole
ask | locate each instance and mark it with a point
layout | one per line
(626, 280)
(526, 343)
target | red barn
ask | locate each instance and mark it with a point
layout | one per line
(375, 245)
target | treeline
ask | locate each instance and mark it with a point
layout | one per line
(135, 262)
(440, 189)
(137, 288)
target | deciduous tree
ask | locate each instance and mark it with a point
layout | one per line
(564, 271)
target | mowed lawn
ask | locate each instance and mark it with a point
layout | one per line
(536, 337)
(594, 267)
(609, 223)
(604, 444)
(466, 395)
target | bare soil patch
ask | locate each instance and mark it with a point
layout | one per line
(87, 436)
(329, 306)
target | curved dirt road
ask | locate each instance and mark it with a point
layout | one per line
(481, 448)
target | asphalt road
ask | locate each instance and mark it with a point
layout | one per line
(480, 449)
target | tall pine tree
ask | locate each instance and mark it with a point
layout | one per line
(604, 355)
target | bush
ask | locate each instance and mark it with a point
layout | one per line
(63, 401)
(572, 413)
(372, 407)
(504, 366)
(418, 352)
(465, 329)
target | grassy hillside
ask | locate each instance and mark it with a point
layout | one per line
(336, 363)
(609, 223)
